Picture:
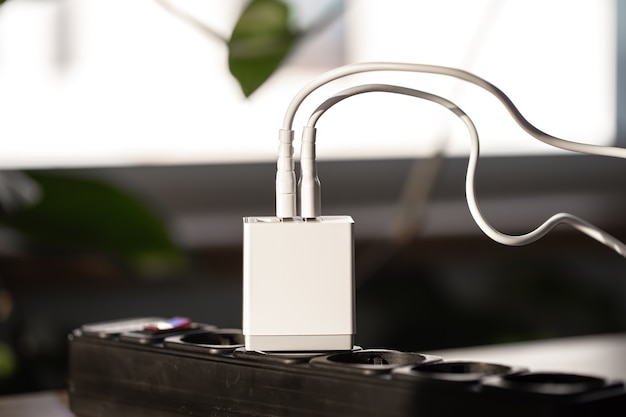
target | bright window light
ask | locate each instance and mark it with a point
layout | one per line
(555, 59)
(98, 83)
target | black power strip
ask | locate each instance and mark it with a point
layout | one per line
(133, 367)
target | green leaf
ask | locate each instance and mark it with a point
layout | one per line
(87, 214)
(259, 43)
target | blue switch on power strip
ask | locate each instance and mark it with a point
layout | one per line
(298, 284)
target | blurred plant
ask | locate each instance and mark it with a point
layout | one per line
(262, 38)
(64, 211)
(7, 361)
(260, 41)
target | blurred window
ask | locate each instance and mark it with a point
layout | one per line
(95, 82)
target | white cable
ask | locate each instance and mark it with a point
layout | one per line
(309, 187)
(285, 176)
(576, 222)
(451, 72)
(285, 197)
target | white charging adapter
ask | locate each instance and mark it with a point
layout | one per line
(298, 283)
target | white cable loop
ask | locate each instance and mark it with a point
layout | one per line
(451, 72)
(565, 218)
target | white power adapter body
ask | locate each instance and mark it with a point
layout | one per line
(298, 283)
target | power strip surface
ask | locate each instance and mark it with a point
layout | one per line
(174, 367)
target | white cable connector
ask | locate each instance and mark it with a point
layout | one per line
(309, 187)
(285, 176)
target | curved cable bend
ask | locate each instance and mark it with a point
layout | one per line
(286, 190)
(451, 72)
(510, 240)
